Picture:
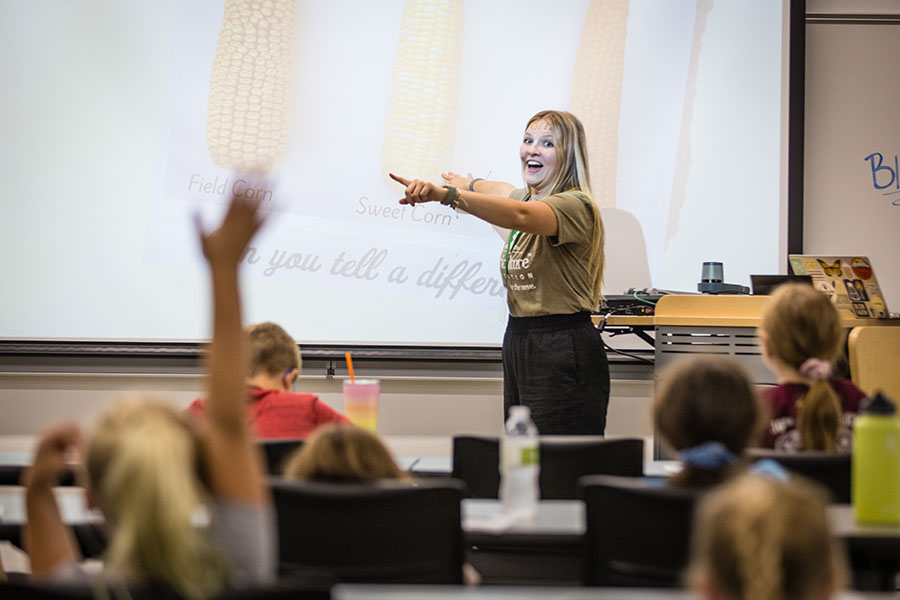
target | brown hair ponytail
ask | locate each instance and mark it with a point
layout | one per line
(819, 417)
(802, 326)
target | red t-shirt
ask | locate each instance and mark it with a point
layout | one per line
(275, 414)
(781, 400)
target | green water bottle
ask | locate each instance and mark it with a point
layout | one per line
(876, 463)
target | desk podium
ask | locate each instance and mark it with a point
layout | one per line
(703, 324)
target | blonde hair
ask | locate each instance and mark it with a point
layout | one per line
(142, 462)
(757, 538)
(801, 323)
(708, 399)
(573, 175)
(272, 350)
(343, 453)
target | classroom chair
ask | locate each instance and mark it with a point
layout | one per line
(829, 469)
(277, 451)
(388, 532)
(638, 532)
(563, 460)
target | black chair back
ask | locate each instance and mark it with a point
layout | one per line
(277, 451)
(638, 531)
(563, 461)
(829, 469)
(389, 532)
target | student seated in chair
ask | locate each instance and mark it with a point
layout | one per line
(758, 538)
(152, 471)
(708, 412)
(343, 454)
(809, 409)
(274, 409)
(349, 454)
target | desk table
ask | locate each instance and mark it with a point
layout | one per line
(546, 549)
(425, 592)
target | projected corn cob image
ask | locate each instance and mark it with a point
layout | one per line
(247, 114)
(418, 137)
(597, 91)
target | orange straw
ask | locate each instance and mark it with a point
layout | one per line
(349, 365)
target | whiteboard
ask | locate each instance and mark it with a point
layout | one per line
(851, 179)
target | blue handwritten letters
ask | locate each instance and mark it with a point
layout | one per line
(885, 174)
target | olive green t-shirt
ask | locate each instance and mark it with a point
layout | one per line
(550, 275)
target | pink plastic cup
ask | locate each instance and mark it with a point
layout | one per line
(361, 402)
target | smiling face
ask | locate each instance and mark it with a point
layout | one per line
(539, 158)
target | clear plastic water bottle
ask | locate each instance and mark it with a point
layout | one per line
(520, 464)
(875, 468)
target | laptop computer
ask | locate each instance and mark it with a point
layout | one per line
(848, 280)
(763, 285)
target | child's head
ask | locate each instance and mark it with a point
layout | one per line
(801, 330)
(272, 351)
(143, 469)
(800, 323)
(343, 453)
(702, 400)
(757, 538)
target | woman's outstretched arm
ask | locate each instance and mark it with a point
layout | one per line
(531, 217)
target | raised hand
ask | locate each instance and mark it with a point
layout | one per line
(457, 179)
(49, 542)
(226, 244)
(54, 455)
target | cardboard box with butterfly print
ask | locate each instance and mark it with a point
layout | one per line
(848, 280)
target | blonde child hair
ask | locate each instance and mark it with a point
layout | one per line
(758, 538)
(343, 453)
(272, 350)
(801, 328)
(701, 401)
(143, 467)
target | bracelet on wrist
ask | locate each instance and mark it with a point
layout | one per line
(451, 197)
(472, 183)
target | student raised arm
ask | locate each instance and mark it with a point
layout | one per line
(235, 468)
(48, 541)
(149, 469)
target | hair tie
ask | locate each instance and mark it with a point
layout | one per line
(770, 469)
(815, 368)
(708, 455)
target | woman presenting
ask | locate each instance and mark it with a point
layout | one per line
(552, 266)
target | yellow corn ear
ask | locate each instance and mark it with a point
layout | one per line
(247, 118)
(418, 137)
(597, 91)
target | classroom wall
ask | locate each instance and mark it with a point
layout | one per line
(418, 414)
(852, 135)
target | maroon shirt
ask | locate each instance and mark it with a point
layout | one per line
(781, 432)
(275, 414)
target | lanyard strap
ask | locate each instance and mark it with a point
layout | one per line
(510, 244)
